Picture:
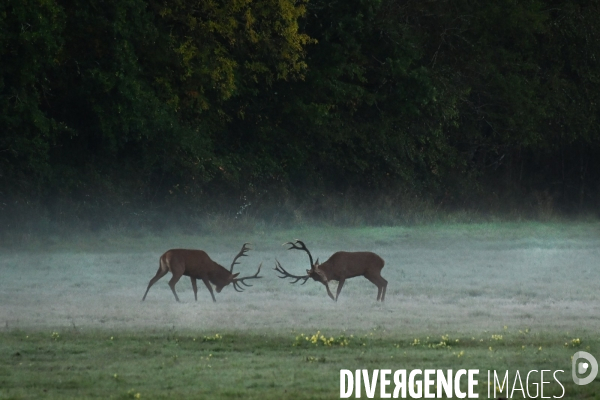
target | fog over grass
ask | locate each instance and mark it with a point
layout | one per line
(446, 278)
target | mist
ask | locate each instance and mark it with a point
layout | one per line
(442, 278)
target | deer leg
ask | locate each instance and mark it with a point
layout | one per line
(329, 292)
(384, 288)
(159, 274)
(339, 288)
(381, 284)
(210, 289)
(172, 284)
(194, 287)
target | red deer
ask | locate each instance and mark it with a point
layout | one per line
(197, 265)
(340, 266)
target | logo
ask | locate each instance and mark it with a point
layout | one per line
(581, 367)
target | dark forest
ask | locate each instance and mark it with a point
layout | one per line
(287, 110)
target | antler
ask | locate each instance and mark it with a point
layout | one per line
(236, 282)
(286, 274)
(301, 247)
(242, 253)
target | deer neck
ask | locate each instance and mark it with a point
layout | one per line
(325, 270)
(220, 274)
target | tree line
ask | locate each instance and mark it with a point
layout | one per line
(462, 103)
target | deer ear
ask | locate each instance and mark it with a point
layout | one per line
(235, 275)
(308, 271)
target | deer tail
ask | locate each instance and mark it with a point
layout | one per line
(163, 264)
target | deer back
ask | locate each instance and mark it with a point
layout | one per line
(195, 263)
(345, 264)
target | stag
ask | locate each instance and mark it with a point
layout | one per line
(340, 266)
(197, 265)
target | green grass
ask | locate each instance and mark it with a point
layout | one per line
(155, 365)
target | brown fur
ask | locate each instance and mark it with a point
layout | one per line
(197, 265)
(344, 265)
(339, 267)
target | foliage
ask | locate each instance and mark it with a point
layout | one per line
(29, 43)
(142, 101)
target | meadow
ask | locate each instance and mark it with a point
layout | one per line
(496, 296)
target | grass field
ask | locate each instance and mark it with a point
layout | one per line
(488, 297)
(171, 364)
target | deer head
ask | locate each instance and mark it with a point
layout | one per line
(317, 274)
(230, 279)
(314, 272)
